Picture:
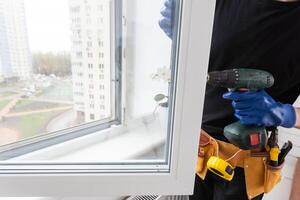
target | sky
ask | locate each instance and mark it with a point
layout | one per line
(48, 25)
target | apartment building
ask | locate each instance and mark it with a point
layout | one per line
(90, 57)
(15, 58)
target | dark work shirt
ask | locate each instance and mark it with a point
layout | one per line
(260, 34)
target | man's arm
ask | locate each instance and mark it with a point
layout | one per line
(297, 125)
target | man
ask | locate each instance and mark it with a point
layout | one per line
(259, 34)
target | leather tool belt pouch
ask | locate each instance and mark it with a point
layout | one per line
(260, 177)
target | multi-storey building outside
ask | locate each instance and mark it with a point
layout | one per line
(90, 57)
(15, 57)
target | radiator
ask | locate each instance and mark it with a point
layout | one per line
(157, 197)
(150, 197)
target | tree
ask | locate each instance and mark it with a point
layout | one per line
(51, 63)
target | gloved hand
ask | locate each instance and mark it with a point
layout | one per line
(167, 19)
(258, 108)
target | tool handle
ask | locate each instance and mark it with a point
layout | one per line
(286, 148)
(274, 156)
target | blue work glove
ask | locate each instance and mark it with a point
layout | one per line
(167, 20)
(259, 108)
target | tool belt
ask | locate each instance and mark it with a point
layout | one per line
(259, 176)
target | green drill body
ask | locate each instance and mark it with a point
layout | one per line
(236, 79)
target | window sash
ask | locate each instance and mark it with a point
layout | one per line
(194, 41)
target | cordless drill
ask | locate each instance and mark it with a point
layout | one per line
(247, 137)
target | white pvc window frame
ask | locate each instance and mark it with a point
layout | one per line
(193, 57)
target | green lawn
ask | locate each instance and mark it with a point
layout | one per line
(31, 125)
(22, 103)
(3, 103)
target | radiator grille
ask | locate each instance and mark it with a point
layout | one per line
(178, 198)
(156, 197)
(150, 197)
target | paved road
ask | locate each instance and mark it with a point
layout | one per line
(50, 100)
(9, 97)
(64, 120)
(38, 111)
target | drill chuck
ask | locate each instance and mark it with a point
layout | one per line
(251, 79)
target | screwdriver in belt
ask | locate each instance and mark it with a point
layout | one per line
(273, 147)
(286, 148)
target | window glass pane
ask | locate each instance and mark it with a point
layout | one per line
(48, 73)
(121, 65)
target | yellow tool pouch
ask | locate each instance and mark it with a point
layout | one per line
(272, 177)
(260, 177)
